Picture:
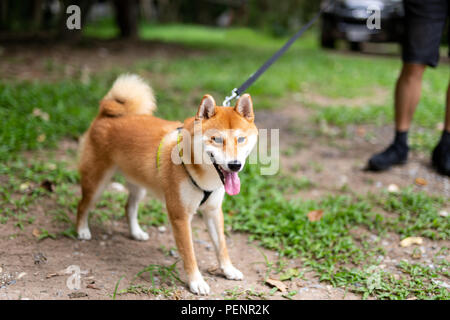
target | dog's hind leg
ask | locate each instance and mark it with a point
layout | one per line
(137, 193)
(93, 182)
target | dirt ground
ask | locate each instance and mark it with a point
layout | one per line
(32, 269)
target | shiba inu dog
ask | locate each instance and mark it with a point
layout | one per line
(188, 165)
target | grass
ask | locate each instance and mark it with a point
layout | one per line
(330, 245)
(37, 115)
(244, 294)
(227, 57)
(163, 279)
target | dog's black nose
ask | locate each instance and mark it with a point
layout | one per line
(234, 165)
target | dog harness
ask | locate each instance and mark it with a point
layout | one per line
(206, 193)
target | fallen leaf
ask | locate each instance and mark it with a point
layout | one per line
(443, 213)
(277, 283)
(360, 131)
(177, 295)
(410, 241)
(41, 114)
(212, 270)
(421, 182)
(36, 232)
(57, 274)
(51, 166)
(393, 188)
(41, 138)
(92, 286)
(25, 186)
(315, 215)
(21, 275)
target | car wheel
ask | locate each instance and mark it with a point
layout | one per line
(327, 42)
(355, 46)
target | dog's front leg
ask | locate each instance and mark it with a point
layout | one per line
(214, 221)
(181, 225)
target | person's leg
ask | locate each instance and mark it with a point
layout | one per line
(424, 25)
(441, 154)
(407, 96)
(447, 112)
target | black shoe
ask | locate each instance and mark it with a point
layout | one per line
(394, 154)
(441, 158)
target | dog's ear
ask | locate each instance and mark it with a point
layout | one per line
(244, 106)
(207, 108)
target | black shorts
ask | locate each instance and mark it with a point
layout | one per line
(425, 22)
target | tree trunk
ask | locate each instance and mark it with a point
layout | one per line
(3, 15)
(147, 9)
(37, 14)
(127, 15)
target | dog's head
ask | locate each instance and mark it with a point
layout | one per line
(228, 136)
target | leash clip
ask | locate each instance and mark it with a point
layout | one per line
(234, 95)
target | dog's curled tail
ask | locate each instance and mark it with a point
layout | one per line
(129, 94)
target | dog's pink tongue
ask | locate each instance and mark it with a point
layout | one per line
(232, 183)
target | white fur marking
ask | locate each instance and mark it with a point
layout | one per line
(136, 195)
(198, 286)
(84, 233)
(214, 233)
(131, 87)
(190, 196)
(232, 273)
(83, 229)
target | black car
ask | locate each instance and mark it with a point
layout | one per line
(347, 20)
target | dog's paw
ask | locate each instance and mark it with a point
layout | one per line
(199, 287)
(84, 234)
(140, 235)
(232, 273)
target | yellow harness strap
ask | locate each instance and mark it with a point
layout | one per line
(158, 153)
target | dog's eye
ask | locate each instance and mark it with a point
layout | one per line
(241, 139)
(218, 140)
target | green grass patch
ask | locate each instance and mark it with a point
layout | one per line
(340, 238)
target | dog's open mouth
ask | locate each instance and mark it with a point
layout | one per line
(230, 180)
